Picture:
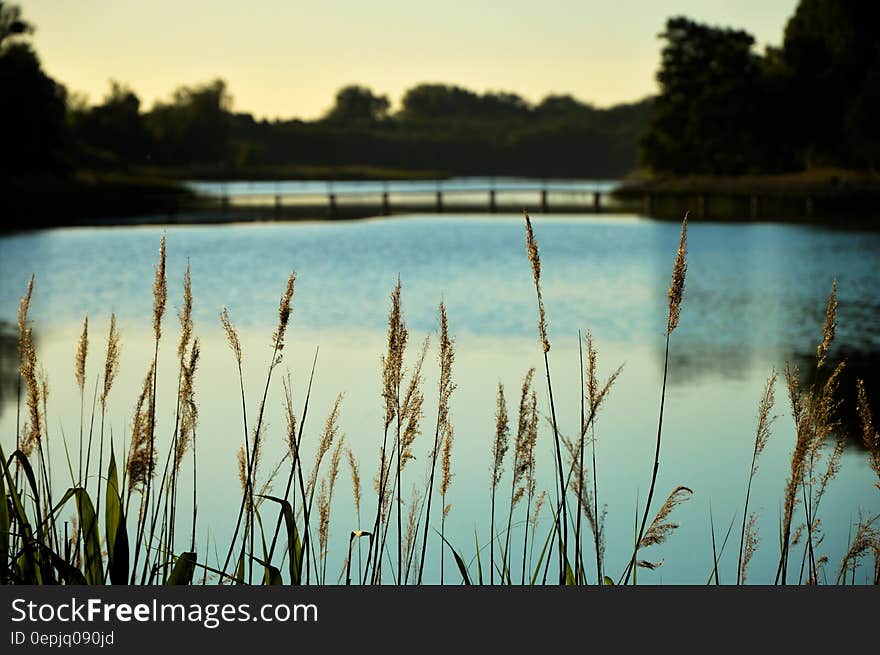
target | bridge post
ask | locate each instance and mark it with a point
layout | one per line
(492, 201)
(544, 206)
(224, 204)
(755, 208)
(386, 205)
(332, 200)
(277, 205)
(597, 201)
(808, 206)
(439, 203)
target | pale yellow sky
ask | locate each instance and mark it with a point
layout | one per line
(287, 58)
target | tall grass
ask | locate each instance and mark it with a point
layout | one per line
(126, 514)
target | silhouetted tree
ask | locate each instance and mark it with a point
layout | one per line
(116, 126)
(832, 55)
(358, 104)
(33, 131)
(195, 128)
(703, 120)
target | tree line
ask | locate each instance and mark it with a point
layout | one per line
(722, 109)
(813, 101)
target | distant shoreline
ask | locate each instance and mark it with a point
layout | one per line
(102, 200)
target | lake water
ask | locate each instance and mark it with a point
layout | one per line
(754, 299)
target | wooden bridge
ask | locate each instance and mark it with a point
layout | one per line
(359, 204)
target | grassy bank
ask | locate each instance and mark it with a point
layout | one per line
(86, 198)
(819, 194)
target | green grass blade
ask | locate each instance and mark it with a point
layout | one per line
(5, 526)
(462, 567)
(479, 564)
(29, 572)
(93, 565)
(115, 527)
(294, 546)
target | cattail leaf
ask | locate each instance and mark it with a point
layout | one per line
(273, 576)
(239, 571)
(115, 528)
(293, 542)
(182, 573)
(32, 481)
(569, 575)
(479, 563)
(30, 572)
(4, 528)
(88, 523)
(462, 567)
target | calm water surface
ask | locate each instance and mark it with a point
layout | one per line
(754, 299)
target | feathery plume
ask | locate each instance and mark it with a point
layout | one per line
(82, 350)
(765, 420)
(595, 394)
(355, 479)
(111, 361)
(231, 335)
(160, 291)
(535, 260)
(323, 519)
(331, 429)
(28, 371)
(141, 461)
(411, 408)
(502, 438)
(447, 358)
(536, 513)
(241, 460)
(283, 313)
(446, 460)
(750, 546)
(290, 418)
(524, 444)
(189, 412)
(660, 527)
(676, 287)
(828, 329)
(392, 362)
(185, 315)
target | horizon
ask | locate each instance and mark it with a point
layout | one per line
(199, 43)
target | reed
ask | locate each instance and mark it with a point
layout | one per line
(762, 436)
(444, 393)
(500, 444)
(562, 528)
(675, 295)
(37, 548)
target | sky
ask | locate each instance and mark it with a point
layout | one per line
(287, 58)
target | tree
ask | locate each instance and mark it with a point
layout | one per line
(34, 133)
(116, 126)
(11, 22)
(705, 118)
(358, 104)
(195, 128)
(831, 52)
